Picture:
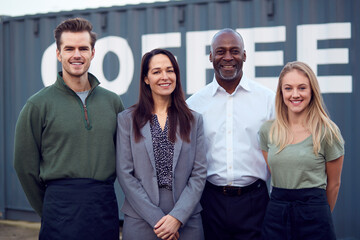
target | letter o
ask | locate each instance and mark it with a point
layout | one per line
(49, 65)
(121, 48)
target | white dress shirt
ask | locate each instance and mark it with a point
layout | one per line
(231, 126)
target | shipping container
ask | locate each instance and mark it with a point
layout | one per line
(323, 33)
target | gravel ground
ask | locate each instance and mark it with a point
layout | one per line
(16, 230)
(20, 230)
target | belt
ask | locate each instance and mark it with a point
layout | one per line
(235, 191)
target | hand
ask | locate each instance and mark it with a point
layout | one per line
(167, 228)
(174, 236)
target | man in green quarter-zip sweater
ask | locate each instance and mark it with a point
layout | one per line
(65, 145)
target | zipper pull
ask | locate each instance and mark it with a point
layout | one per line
(86, 116)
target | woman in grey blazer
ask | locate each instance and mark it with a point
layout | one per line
(161, 164)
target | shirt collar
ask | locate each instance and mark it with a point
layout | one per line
(244, 84)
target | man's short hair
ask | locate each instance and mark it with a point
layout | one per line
(74, 25)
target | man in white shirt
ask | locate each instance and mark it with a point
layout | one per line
(233, 108)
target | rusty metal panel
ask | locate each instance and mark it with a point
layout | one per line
(322, 33)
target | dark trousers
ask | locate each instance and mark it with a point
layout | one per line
(234, 214)
(298, 214)
(79, 209)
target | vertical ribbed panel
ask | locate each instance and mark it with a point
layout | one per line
(324, 33)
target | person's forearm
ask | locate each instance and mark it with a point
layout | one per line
(332, 192)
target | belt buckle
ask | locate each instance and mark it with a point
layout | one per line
(231, 191)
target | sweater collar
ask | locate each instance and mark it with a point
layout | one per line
(60, 83)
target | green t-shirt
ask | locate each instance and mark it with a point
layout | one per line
(296, 166)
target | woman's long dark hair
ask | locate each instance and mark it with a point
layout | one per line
(178, 111)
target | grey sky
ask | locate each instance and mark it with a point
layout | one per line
(25, 7)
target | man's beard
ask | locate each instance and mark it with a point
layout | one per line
(229, 78)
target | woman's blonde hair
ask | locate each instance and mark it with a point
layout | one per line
(317, 120)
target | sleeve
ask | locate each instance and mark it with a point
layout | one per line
(333, 151)
(121, 106)
(133, 190)
(191, 194)
(264, 136)
(27, 155)
(272, 108)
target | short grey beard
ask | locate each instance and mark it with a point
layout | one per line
(228, 78)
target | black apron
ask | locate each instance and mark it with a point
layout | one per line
(298, 214)
(79, 209)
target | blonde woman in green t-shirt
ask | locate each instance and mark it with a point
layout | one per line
(304, 151)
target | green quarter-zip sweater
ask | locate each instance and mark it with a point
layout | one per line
(57, 136)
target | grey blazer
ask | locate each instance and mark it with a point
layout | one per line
(135, 167)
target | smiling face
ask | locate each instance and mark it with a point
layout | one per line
(161, 77)
(296, 91)
(227, 56)
(75, 54)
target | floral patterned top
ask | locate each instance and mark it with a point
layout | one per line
(163, 152)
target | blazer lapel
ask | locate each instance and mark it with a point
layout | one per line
(177, 149)
(145, 131)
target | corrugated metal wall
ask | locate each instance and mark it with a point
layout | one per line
(322, 33)
(2, 128)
